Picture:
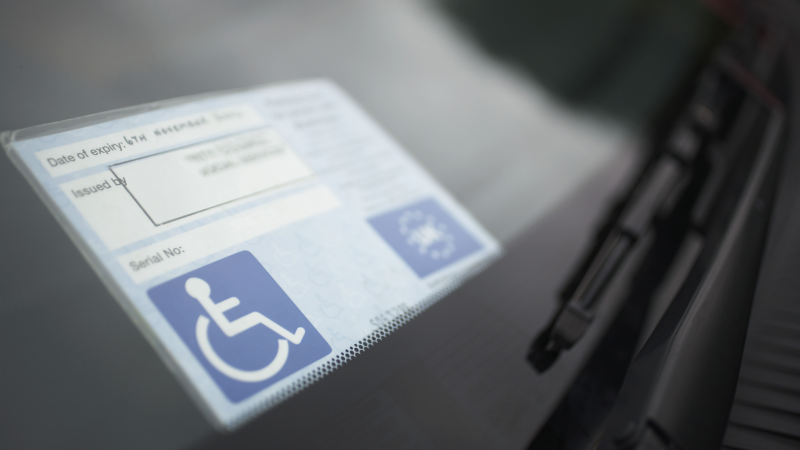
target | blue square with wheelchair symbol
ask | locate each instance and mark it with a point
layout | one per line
(425, 236)
(238, 322)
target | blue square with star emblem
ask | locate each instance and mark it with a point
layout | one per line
(425, 236)
(239, 324)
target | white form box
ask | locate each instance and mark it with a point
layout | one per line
(204, 241)
(179, 183)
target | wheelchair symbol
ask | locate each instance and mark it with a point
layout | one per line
(201, 291)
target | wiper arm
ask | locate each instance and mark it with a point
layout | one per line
(662, 181)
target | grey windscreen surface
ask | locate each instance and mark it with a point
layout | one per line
(76, 369)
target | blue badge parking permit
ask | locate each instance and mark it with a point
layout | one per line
(258, 238)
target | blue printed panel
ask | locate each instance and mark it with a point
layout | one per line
(245, 331)
(425, 236)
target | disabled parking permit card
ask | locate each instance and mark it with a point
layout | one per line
(259, 238)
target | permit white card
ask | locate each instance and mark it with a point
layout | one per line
(258, 238)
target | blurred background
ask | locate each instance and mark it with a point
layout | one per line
(514, 106)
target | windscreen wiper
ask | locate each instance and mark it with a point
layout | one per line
(679, 389)
(663, 180)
